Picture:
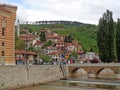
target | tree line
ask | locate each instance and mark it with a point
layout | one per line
(108, 39)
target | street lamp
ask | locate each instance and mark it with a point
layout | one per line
(26, 48)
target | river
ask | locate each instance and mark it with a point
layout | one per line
(75, 84)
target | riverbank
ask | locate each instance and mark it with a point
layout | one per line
(95, 81)
(30, 75)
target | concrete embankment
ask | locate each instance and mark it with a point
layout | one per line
(17, 76)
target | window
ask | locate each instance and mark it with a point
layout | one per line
(3, 31)
(3, 44)
(3, 25)
(3, 53)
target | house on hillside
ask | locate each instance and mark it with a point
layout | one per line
(78, 45)
(27, 38)
(25, 57)
(56, 55)
(37, 37)
(53, 37)
(60, 44)
(92, 57)
(37, 44)
(50, 49)
(71, 47)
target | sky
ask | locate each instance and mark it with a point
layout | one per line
(86, 11)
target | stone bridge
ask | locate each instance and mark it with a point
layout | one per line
(93, 70)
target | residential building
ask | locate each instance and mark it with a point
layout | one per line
(28, 39)
(25, 57)
(37, 44)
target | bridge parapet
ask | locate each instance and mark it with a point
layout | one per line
(96, 68)
(96, 64)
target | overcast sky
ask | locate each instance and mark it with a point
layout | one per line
(86, 11)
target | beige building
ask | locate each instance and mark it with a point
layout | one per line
(7, 33)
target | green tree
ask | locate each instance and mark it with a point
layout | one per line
(20, 44)
(74, 55)
(32, 49)
(118, 40)
(42, 37)
(45, 58)
(48, 43)
(68, 39)
(91, 49)
(106, 38)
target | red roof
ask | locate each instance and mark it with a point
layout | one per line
(50, 36)
(38, 42)
(26, 37)
(24, 52)
(57, 53)
(69, 44)
(80, 52)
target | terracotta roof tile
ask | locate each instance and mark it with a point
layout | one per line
(24, 52)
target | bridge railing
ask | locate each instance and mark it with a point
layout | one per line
(95, 64)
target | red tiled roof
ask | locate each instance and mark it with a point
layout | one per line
(57, 53)
(76, 43)
(53, 37)
(24, 52)
(69, 44)
(50, 36)
(79, 52)
(38, 42)
(26, 37)
(43, 30)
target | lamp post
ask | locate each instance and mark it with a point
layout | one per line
(26, 48)
(25, 51)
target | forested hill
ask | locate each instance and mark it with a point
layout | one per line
(85, 34)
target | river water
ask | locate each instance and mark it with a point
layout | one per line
(76, 84)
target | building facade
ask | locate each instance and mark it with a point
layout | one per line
(7, 33)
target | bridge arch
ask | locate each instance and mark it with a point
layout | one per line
(105, 72)
(78, 72)
(82, 71)
(78, 69)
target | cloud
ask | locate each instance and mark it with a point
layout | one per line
(86, 11)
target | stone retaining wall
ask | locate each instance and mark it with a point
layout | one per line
(16, 76)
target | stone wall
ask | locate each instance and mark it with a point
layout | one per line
(16, 76)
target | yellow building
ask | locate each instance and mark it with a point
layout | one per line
(7, 33)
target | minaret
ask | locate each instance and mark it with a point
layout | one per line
(18, 28)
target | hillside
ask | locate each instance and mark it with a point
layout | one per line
(85, 34)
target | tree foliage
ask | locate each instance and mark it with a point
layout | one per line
(68, 39)
(118, 40)
(48, 43)
(105, 38)
(73, 55)
(19, 44)
(32, 49)
(42, 37)
(45, 58)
